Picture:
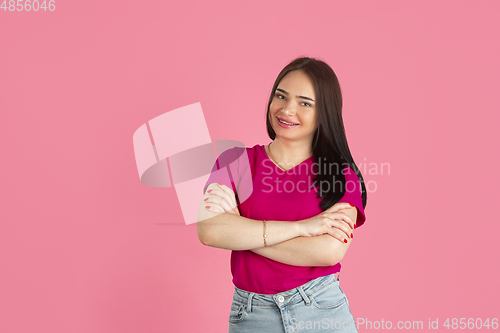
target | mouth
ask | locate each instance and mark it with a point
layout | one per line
(286, 122)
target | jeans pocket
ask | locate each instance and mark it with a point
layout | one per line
(237, 313)
(329, 297)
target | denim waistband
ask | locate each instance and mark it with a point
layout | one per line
(299, 294)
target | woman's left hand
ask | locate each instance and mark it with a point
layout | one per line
(225, 198)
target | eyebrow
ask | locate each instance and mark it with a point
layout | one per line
(304, 97)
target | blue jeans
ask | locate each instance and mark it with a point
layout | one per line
(317, 306)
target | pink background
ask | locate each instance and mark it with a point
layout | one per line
(85, 247)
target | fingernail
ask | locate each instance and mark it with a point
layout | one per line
(219, 183)
(207, 207)
(209, 191)
(205, 199)
(351, 204)
(351, 236)
(345, 240)
(354, 226)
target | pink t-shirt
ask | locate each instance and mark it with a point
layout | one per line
(265, 192)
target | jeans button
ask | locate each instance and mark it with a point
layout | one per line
(281, 299)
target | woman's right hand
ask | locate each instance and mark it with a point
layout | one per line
(337, 224)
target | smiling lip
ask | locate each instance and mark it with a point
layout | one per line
(287, 121)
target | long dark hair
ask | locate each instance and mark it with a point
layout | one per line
(330, 142)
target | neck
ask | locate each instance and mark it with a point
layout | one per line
(291, 152)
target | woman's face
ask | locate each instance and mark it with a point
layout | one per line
(294, 102)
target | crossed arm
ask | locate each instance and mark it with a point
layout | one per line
(285, 244)
(321, 250)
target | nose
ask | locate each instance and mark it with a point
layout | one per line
(289, 109)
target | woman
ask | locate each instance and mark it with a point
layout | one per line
(307, 196)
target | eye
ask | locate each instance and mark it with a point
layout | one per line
(280, 96)
(306, 104)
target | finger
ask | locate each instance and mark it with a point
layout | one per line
(224, 192)
(229, 192)
(219, 193)
(222, 203)
(343, 216)
(338, 206)
(225, 188)
(344, 228)
(340, 236)
(332, 225)
(214, 208)
(223, 199)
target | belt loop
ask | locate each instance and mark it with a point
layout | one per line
(249, 304)
(304, 296)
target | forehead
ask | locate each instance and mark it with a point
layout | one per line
(297, 82)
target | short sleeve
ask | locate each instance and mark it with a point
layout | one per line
(352, 194)
(229, 169)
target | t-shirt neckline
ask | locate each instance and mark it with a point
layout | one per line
(277, 166)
